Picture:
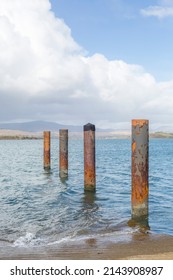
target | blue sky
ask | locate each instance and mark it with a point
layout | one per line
(76, 61)
(119, 30)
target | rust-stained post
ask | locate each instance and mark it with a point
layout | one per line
(89, 157)
(63, 153)
(139, 168)
(46, 149)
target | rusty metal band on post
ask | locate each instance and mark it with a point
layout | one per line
(140, 186)
(46, 149)
(89, 157)
(63, 153)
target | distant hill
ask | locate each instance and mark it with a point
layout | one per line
(165, 128)
(27, 129)
(161, 134)
(73, 133)
(39, 126)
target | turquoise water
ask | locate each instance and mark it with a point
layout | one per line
(38, 209)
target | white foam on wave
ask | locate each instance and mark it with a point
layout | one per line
(31, 239)
(28, 240)
(115, 236)
(62, 240)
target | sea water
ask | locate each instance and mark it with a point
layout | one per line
(39, 209)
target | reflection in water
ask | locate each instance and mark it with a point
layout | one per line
(92, 242)
(47, 172)
(64, 180)
(140, 223)
(90, 212)
(89, 198)
(89, 205)
(142, 226)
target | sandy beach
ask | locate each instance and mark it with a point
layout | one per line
(141, 247)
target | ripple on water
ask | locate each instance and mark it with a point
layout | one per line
(39, 208)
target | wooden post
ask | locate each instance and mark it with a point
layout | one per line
(63, 153)
(47, 150)
(139, 168)
(89, 157)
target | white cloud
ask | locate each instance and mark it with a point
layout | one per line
(158, 11)
(44, 74)
(162, 10)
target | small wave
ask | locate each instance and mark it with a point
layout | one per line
(115, 236)
(62, 240)
(5, 242)
(28, 240)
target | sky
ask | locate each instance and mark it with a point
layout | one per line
(100, 61)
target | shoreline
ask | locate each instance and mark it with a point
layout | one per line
(28, 135)
(140, 247)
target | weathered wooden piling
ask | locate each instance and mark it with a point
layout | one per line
(139, 196)
(63, 153)
(47, 150)
(89, 157)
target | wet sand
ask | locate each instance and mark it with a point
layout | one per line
(140, 247)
